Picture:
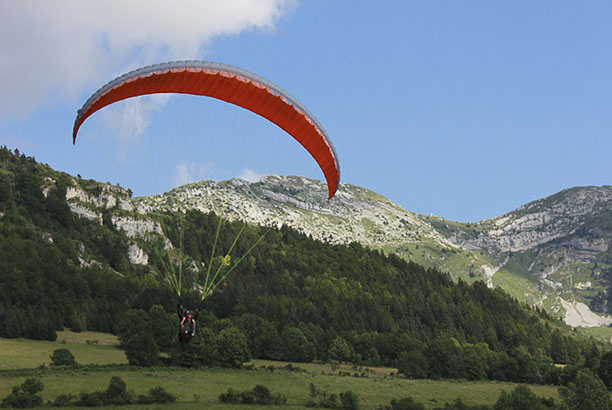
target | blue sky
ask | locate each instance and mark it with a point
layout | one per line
(466, 110)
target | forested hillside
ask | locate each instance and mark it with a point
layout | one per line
(293, 298)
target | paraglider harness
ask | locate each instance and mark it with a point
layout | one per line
(187, 325)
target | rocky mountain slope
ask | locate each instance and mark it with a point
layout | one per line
(553, 253)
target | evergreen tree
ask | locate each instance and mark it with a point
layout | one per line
(163, 327)
(63, 357)
(586, 392)
(340, 350)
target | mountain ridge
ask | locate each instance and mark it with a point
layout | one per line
(542, 246)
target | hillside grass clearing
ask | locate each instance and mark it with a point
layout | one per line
(523, 289)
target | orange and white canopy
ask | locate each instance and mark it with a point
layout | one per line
(228, 83)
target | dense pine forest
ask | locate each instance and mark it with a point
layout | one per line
(292, 298)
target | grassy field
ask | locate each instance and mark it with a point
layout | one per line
(199, 389)
(602, 333)
(23, 354)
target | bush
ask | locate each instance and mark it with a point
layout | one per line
(262, 394)
(230, 396)
(64, 400)
(25, 396)
(157, 395)
(318, 398)
(94, 399)
(259, 395)
(521, 397)
(406, 403)
(160, 395)
(63, 357)
(350, 400)
(246, 397)
(116, 393)
(329, 402)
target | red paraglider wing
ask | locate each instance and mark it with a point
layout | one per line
(230, 84)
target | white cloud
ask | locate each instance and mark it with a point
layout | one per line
(191, 172)
(249, 175)
(52, 50)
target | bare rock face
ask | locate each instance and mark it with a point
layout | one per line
(136, 227)
(106, 197)
(85, 212)
(137, 255)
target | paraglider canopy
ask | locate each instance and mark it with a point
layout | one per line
(233, 85)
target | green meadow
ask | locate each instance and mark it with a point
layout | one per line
(200, 389)
(87, 348)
